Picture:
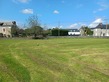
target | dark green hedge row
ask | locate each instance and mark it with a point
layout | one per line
(59, 32)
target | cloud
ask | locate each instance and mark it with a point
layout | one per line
(73, 25)
(76, 25)
(14, 1)
(24, 1)
(27, 11)
(103, 6)
(96, 22)
(21, 1)
(63, 1)
(61, 26)
(56, 12)
(39, 15)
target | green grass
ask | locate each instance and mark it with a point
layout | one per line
(54, 60)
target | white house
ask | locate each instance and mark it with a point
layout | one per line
(74, 32)
(101, 30)
(5, 28)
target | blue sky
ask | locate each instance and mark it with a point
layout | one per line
(69, 13)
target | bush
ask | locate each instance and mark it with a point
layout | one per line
(59, 32)
(1, 34)
(38, 37)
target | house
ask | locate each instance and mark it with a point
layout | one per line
(101, 30)
(5, 28)
(82, 33)
(74, 32)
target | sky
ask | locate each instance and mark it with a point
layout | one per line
(53, 13)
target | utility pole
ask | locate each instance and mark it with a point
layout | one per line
(59, 28)
(101, 27)
(106, 26)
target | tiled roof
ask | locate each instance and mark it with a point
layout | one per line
(102, 26)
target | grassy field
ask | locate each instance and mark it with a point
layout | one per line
(54, 60)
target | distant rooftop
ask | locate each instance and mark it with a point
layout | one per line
(7, 23)
(73, 30)
(102, 26)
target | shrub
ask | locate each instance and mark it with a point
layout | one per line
(1, 34)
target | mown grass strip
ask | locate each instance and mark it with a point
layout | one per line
(15, 69)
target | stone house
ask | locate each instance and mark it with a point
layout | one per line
(82, 33)
(5, 28)
(101, 30)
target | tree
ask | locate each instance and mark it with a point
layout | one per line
(86, 30)
(63, 32)
(28, 32)
(22, 32)
(14, 29)
(34, 25)
(55, 32)
(59, 32)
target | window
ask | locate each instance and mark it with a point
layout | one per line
(103, 34)
(3, 30)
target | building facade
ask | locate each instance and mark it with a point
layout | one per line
(74, 32)
(5, 28)
(101, 30)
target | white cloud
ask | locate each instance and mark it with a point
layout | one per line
(21, 1)
(39, 15)
(101, 9)
(96, 22)
(76, 25)
(73, 25)
(14, 1)
(56, 12)
(61, 26)
(95, 11)
(27, 11)
(103, 6)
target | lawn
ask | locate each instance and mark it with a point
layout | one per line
(54, 60)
